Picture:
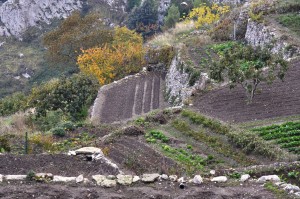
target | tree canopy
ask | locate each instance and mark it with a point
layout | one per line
(74, 33)
(247, 66)
(124, 56)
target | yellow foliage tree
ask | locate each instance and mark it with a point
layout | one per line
(205, 15)
(124, 56)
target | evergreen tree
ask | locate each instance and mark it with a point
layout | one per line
(172, 17)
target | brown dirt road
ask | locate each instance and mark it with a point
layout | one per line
(164, 190)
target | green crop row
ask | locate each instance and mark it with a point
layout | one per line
(273, 136)
(288, 139)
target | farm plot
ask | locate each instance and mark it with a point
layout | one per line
(286, 135)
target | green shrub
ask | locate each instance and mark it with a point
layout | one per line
(12, 104)
(4, 144)
(60, 132)
(194, 77)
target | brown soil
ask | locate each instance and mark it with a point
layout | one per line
(56, 164)
(165, 190)
(131, 153)
(277, 100)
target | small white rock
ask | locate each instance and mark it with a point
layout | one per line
(73, 153)
(244, 177)
(98, 178)
(150, 177)
(164, 177)
(79, 179)
(212, 172)
(272, 178)
(135, 179)
(173, 178)
(297, 194)
(108, 183)
(15, 177)
(219, 179)
(290, 187)
(124, 179)
(63, 179)
(111, 177)
(88, 151)
(197, 179)
(181, 180)
(1, 178)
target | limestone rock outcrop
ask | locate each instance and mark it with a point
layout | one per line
(17, 16)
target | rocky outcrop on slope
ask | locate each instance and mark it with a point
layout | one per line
(17, 16)
(178, 88)
(258, 34)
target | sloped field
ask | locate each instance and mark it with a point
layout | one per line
(277, 100)
(129, 97)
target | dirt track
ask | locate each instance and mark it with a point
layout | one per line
(163, 190)
(55, 164)
(276, 100)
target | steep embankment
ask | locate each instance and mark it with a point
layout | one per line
(276, 100)
(129, 97)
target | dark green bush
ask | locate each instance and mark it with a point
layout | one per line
(59, 131)
(4, 144)
(14, 103)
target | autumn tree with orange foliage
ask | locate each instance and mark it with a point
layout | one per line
(123, 57)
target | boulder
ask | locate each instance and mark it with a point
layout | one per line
(88, 151)
(136, 179)
(124, 179)
(64, 179)
(272, 178)
(99, 178)
(289, 187)
(297, 194)
(219, 179)
(150, 177)
(244, 177)
(173, 178)
(79, 179)
(108, 183)
(197, 179)
(15, 177)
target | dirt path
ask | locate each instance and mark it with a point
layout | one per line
(128, 97)
(56, 164)
(165, 190)
(276, 100)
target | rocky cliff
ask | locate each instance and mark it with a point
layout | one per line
(259, 34)
(18, 15)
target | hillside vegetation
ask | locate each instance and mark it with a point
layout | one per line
(243, 109)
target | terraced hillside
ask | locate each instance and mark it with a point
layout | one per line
(277, 100)
(129, 97)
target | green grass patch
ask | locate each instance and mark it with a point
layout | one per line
(247, 141)
(291, 21)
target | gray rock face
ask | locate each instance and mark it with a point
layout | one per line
(177, 82)
(258, 34)
(18, 16)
